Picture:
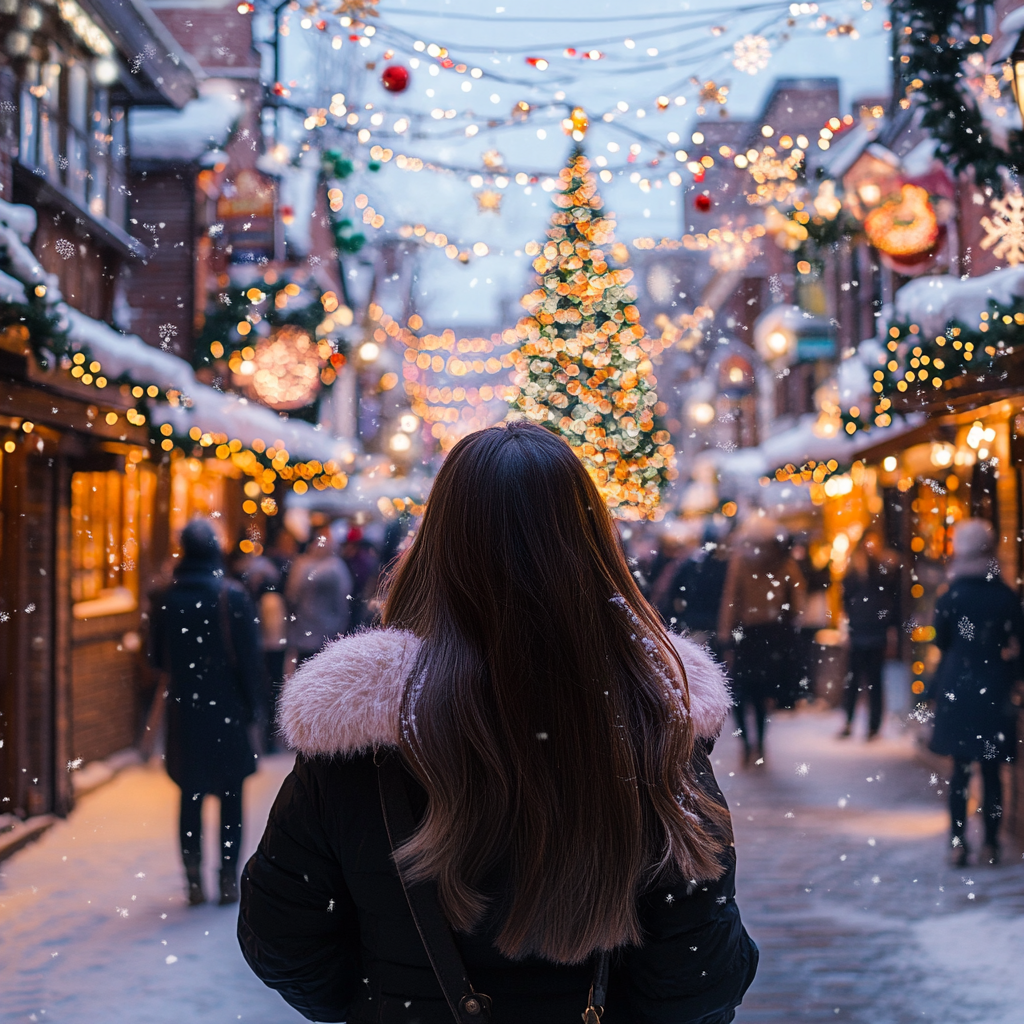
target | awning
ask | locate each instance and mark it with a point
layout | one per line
(126, 356)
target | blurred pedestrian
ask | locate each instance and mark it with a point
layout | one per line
(675, 542)
(524, 736)
(319, 595)
(979, 628)
(763, 597)
(282, 549)
(694, 598)
(262, 579)
(204, 635)
(871, 604)
(363, 563)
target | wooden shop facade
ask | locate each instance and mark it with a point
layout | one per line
(84, 505)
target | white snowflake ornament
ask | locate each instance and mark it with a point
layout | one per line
(1005, 231)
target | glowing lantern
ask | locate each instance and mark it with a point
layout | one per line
(286, 369)
(906, 226)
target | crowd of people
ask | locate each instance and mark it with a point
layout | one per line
(756, 599)
(226, 633)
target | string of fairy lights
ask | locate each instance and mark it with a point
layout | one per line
(749, 55)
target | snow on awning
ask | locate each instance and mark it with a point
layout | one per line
(11, 290)
(364, 493)
(215, 412)
(931, 302)
(741, 469)
(184, 135)
(128, 356)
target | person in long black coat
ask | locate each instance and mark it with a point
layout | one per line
(978, 627)
(324, 920)
(204, 634)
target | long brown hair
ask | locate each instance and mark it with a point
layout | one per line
(545, 715)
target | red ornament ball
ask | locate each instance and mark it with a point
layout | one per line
(703, 203)
(395, 78)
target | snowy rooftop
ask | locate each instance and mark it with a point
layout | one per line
(127, 355)
(931, 302)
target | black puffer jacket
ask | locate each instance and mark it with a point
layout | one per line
(325, 922)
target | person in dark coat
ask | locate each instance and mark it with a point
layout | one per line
(319, 595)
(871, 604)
(978, 628)
(763, 598)
(473, 702)
(694, 598)
(204, 635)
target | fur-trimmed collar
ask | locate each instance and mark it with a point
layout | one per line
(346, 700)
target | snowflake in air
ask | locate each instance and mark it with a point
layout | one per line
(167, 332)
(1005, 231)
(65, 249)
(966, 628)
(803, 768)
(751, 54)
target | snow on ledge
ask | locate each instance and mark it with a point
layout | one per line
(126, 355)
(202, 124)
(931, 302)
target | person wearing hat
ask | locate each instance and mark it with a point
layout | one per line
(978, 628)
(204, 636)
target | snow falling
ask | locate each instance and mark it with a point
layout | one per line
(264, 265)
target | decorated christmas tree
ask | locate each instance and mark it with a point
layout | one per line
(583, 368)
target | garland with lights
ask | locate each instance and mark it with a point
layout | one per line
(583, 368)
(919, 366)
(234, 314)
(38, 326)
(931, 44)
(336, 168)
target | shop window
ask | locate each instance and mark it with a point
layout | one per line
(111, 518)
(72, 136)
(203, 488)
(936, 511)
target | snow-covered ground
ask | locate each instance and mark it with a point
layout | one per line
(843, 884)
(841, 881)
(93, 924)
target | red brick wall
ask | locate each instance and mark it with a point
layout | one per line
(160, 286)
(217, 37)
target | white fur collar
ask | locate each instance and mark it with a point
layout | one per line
(346, 700)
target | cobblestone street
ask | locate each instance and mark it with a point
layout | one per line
(841, 881)
(94, 928)
(843, 885)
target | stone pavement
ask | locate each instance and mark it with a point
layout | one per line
(843, 885)
(841, 882)
(93, 925)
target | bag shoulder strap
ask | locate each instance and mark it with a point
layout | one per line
(466, 1005)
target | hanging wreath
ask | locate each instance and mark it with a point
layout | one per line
(905, 225)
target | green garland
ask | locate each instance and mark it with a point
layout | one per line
(931, 41)
(46, 337)
(337, 168)
(920, 366)
(233, 306)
